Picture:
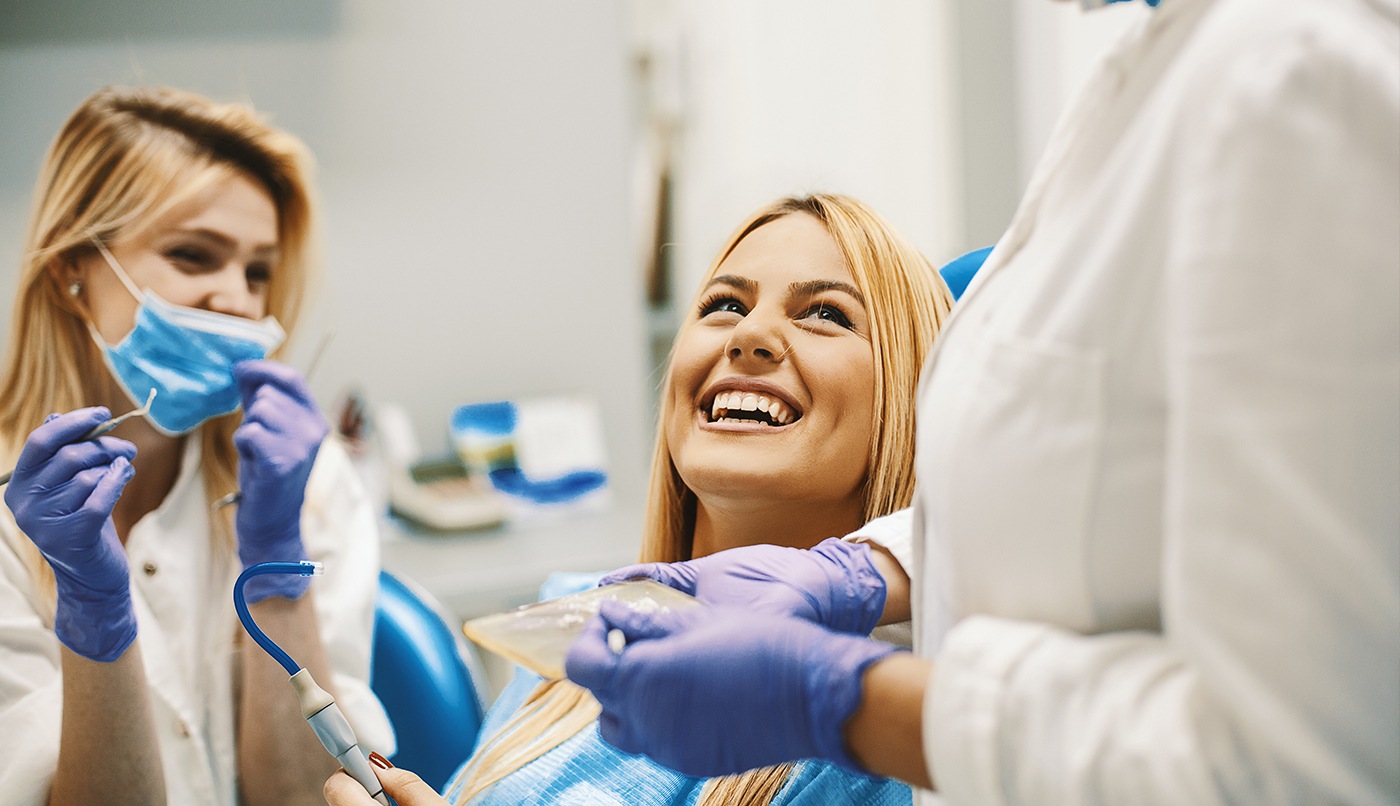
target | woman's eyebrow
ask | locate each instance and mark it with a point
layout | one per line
(262, 251)
(741, 283)
(811, 288)
(203, 234)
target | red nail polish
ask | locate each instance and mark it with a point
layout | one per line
(380, 761)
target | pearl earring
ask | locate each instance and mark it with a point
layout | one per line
(75, 288)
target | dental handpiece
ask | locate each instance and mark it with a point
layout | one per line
(317, 705)
(99, 429)
(335, 734)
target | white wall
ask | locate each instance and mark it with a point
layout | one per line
(478, 157)
(474, 159)
(796, 96)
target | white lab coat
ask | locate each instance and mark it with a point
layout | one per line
(183, 595)
(1159, 442)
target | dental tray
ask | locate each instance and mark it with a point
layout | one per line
(537, 636)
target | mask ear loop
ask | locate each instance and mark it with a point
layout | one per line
(125, 278)
(117, 269)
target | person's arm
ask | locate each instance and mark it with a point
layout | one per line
(885, 734)
(1274, 677)
(280, 760)
(335, 635)
(62, 494)
(109, 751)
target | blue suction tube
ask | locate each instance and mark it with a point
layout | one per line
(304, 568)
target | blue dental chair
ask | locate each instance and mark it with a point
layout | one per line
(959, 271)
(428, 679)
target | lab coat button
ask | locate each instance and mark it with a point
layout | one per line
(184, 726)
(150, 569)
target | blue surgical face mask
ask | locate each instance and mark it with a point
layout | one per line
(185, 354)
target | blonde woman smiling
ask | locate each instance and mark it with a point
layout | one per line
(786, 417)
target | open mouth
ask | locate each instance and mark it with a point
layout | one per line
(751, 407)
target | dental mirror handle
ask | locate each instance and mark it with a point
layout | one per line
(98, 430)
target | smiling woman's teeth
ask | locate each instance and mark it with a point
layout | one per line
(740, 407)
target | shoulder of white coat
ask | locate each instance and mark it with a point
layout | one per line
(894, 532)
(1259, 44)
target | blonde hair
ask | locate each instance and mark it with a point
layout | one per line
(125, 157)
(908, 303)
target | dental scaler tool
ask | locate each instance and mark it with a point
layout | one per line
(100, 429)
(317, 705)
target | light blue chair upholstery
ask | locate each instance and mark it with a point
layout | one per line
(428, 679)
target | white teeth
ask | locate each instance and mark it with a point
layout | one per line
(726, 402)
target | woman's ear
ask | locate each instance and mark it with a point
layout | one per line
(70, 278)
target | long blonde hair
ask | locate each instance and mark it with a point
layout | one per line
(125, 157)
(908, 303)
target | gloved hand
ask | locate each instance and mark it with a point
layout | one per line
(718, 690)
(62, 494)
(277, 443)
(834, 583)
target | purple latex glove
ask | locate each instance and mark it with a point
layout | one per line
(718, 690)
(834, 583)
(62, 494)
(277, 443)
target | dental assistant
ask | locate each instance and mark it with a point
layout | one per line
(1157, 553)
(170, 245)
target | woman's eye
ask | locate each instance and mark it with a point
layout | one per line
(828, 313)
(259, 275)
(722, 305)
(189, 256)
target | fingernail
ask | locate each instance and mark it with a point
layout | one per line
(380, 761)
(617, 641)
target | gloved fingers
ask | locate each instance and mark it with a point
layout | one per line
(250, 440)
(76, 456)
(639, 626)
(674, 575)
(254, 375)
(276, 408)
(108, 487)
(58, 431)
(261, 449)
(285, 415)
(590, 662)
(614, 732)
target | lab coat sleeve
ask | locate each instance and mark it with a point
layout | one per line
(340, 530)
(31, 691)
(895, 533)
(1274, 679)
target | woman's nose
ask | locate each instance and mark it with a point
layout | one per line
(229, 293)
(757, 336)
